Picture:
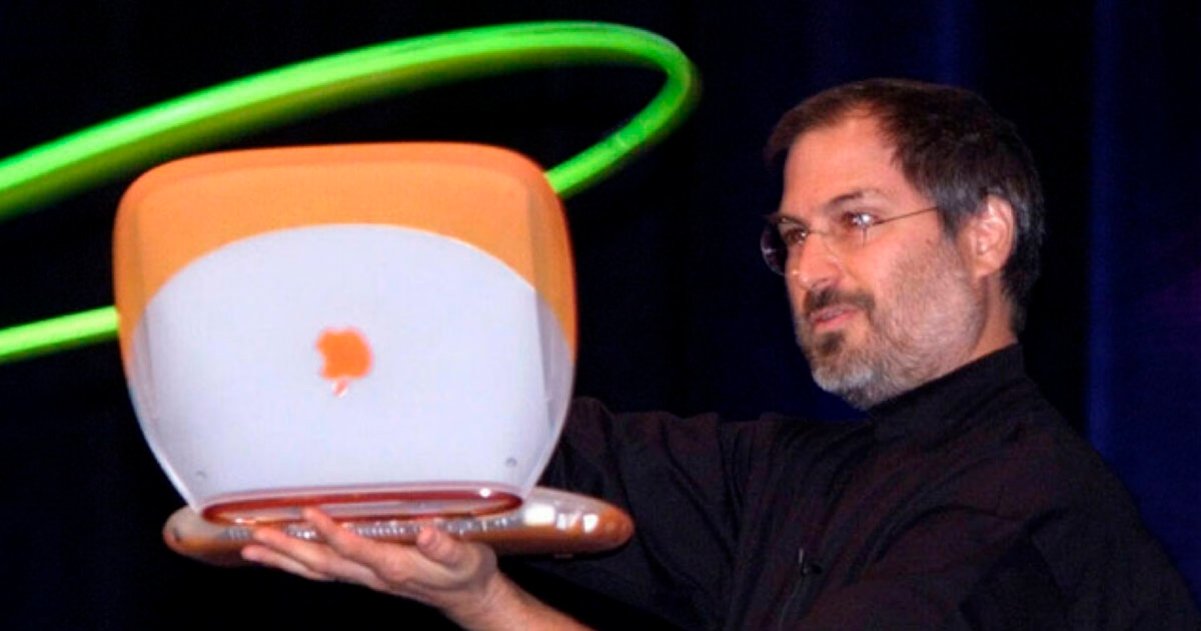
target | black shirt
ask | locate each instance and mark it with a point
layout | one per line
(965, 503)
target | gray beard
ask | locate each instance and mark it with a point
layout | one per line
(928, 330)
(859, 378)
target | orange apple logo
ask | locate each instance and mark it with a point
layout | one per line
(347, 356)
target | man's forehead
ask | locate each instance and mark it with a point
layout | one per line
(848, 160)
(846, 142)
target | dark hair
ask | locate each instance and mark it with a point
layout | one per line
(953, 148)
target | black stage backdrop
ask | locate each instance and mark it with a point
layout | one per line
(677, 311)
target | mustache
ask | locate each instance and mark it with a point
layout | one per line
(829, 297)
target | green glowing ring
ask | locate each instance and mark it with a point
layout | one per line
(136, 141)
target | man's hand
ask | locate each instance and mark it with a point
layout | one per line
(457, 577)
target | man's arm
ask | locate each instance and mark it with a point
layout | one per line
(459, 578)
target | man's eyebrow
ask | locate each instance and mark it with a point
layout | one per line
(780, 216)
(854, 195)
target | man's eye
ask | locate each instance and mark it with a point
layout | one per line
(857, 220)
(793, 235)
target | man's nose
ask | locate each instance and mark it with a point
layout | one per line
(814, 266)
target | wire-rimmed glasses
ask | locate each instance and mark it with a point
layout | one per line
(784, 236)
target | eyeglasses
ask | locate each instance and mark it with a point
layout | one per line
(784, 236)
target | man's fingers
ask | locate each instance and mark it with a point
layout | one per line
(432, 542)
(438, 565)
(374, 554)
(442, 548)
(397, 568)
(263, 555)
(291, 554)
(439, 570)
(339, 538)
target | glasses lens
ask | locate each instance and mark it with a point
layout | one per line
(775, 253)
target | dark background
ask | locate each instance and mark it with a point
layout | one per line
(677, 311)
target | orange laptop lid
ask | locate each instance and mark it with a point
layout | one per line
(384, 330)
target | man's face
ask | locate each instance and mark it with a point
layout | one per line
(880, 315)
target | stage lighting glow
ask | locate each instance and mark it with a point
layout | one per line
(135, 141)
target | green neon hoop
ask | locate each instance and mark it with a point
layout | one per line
(135, 141)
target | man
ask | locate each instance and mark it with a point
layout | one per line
(908, 235)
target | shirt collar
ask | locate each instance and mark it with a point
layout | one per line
(932, 409)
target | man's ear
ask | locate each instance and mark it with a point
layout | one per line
(988, 236)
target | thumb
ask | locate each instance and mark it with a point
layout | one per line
(441, 548)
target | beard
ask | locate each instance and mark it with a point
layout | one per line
(925, 325)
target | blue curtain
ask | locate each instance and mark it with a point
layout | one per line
(1145, 278)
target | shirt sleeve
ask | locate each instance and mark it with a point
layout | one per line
(681, 481)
